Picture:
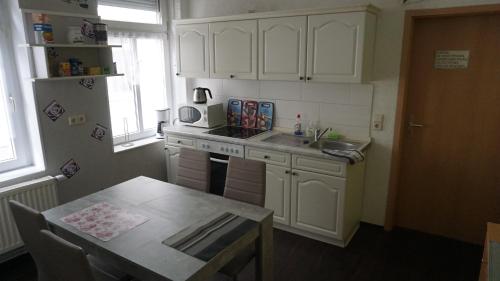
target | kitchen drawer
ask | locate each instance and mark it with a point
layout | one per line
(270, 157)
(319, 165)
(181, 141)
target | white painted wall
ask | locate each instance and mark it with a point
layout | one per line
(339, 105)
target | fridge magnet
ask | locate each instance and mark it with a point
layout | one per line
(87, 29)
(99, 132)
(54, 110)
(87, 83)
(70, 168)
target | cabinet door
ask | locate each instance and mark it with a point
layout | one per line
(278, 180)
(317, 203)
(172, 153)
(233, 49)
(335, 47)
(282, 48)
(192, 50)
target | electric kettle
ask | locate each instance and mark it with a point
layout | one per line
(200, 96)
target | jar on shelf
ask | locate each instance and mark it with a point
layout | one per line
(75, 35)
(101, 33)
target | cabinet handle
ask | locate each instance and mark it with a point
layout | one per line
(295, 174)
(301, 78)
(309, 78)
(231, 76)
(177, 74)
(287, 172)
(266, 157)
(179, 141)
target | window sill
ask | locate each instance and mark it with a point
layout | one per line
(136, 144)
(11, 175)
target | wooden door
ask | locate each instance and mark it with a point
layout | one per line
(172, 154)
(192, 50)
(282, 48)
(233, 49)
(317, 203)
(335, 45)
(450, 181)
(278, 180)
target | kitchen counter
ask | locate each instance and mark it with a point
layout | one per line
(256, 141)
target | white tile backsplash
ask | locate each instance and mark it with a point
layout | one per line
(241, 88)
(345, 107)
(281, 90)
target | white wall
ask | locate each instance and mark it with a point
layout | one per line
(290, 96)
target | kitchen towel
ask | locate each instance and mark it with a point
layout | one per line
(351, 155)
(206, 239)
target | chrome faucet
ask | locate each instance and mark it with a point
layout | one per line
(318, 134)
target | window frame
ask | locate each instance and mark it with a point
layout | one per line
(147, 28)
(16, 113)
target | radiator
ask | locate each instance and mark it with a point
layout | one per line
(39, 194)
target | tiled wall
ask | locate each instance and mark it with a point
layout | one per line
(344, 107)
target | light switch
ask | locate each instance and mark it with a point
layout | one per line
(378, 122)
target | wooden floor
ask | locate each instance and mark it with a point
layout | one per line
(373, 255)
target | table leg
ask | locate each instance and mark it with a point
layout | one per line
(264, 251)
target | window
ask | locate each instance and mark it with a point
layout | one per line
(141, 11)
(15, 150)
(134, 97)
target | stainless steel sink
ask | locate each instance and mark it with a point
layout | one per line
(289, 140)
(337, 145)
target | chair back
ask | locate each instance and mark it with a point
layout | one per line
(194, 169)
(29, 223)
(246, 181)
(64, 260)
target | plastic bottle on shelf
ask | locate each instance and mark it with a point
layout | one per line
(298, 126)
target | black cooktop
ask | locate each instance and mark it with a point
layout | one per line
(235, 132)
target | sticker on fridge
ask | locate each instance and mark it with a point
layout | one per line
(70, 168)
(54, 110)
(99, 132)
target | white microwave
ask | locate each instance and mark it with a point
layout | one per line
(202, 115)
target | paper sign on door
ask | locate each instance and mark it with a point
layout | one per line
(451, 60)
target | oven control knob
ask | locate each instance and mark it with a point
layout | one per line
(232, 150)
(208, 146)
(222, 149)
(227, 150)
(237, 151)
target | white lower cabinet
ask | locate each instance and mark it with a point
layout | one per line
(278, 192)
(312, 196)
(172, 153)
(317, 203)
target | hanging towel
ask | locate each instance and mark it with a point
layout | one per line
(351, 155)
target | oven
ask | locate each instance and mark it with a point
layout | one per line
(219, 158)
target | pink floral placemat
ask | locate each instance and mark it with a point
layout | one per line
(104, 221)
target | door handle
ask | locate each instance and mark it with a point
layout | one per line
(411, 124)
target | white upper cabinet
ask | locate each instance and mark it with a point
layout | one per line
(192, 50)
(233, 49)
(339, 47)
(282, 48)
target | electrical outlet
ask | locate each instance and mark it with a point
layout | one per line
(378, 122)
(77, 119)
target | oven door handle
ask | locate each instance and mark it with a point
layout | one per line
(219, 160)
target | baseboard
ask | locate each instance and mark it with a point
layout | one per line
(329, 240)
(13, 254)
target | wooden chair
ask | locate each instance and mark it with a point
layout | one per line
(194, 169)
(246, 182)
(29, 224)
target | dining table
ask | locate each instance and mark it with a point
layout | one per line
(170, 209)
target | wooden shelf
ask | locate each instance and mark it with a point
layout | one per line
(70, 46)
(74, 77)
(64, 14)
